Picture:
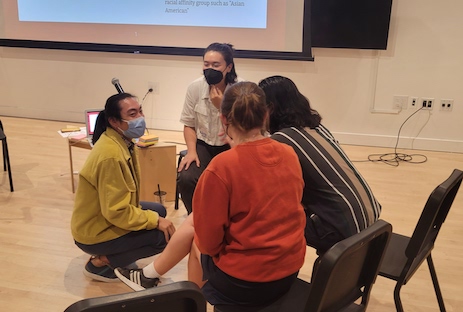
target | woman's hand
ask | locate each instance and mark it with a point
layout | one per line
(187, 160)
(167, 227)
(216, 95)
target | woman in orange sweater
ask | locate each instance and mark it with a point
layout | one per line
(248, 218)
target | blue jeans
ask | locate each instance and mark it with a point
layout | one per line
(135, 245)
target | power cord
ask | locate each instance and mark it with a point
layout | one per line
(394, 159)
(147, 92)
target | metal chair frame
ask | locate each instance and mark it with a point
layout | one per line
(180, 297)
(6, 156)
(405, 255)
(345, 273)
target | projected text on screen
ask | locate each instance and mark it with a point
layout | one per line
(219, 13)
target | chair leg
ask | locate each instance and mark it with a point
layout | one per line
(177, 192)
(435, 282)
(397, 301)
(6, 163)
(176, 195)
(4, 155)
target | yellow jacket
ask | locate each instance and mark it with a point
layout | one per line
(107, 202)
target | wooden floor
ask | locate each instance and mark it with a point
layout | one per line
(41, 268)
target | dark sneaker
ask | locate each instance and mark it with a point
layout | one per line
(135, 279)
(103, 274)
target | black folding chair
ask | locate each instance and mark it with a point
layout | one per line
(405, 255)
(345, 273)
(179, 296)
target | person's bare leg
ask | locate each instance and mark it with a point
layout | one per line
(195, 270)
(178, 247)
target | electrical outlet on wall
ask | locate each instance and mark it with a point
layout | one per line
(414, 102)
(446, 105)
(427, 103)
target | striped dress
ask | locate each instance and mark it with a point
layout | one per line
(334, 189)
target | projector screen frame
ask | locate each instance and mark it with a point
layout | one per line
(304, 55)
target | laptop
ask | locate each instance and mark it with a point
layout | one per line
(90, 121)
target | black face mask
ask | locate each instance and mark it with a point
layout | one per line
(213, 76)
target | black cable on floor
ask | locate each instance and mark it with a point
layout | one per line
(394, 159)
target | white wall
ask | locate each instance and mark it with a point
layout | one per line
(352, 89)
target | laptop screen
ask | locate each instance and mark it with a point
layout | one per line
(90, 120)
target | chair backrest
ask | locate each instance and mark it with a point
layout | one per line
(433, 215)
(179, 296)
(348, 270)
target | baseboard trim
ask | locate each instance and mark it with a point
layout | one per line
(428, 144)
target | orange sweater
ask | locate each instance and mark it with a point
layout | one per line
(248, 214)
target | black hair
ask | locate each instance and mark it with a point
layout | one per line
(112, 109)
(287, 106)
(244, 107)
(227, 51)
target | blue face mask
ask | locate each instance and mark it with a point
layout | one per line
(136, 128)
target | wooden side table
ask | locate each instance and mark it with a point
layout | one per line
(158, 166)
(81, 143)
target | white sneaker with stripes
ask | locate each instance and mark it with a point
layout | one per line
(135, 279)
